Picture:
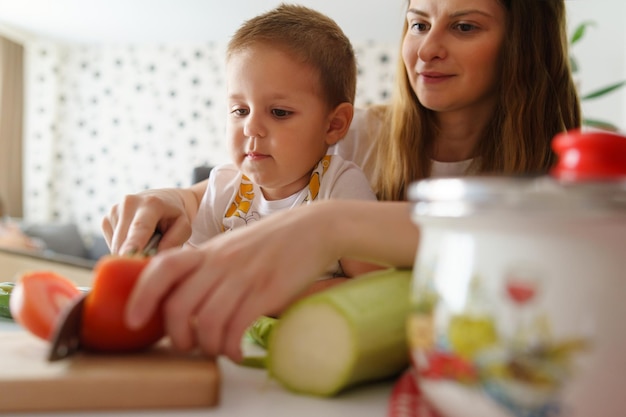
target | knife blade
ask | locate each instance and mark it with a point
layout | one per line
(66, 340)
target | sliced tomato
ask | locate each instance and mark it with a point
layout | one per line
(103, 328)
(38, 299)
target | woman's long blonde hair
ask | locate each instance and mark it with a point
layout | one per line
(538, 99)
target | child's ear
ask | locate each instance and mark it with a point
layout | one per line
(339, 123)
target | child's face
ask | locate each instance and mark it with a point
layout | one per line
(277, 119)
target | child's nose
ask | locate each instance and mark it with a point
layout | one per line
(254, 126)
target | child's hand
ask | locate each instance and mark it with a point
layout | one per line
(130, 224)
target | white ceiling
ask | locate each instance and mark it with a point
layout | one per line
(113, 21)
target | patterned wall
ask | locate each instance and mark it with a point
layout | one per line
(105, 121)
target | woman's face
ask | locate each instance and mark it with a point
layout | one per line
(451, 52)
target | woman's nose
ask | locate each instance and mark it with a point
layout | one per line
(254, 126)
(432, 46)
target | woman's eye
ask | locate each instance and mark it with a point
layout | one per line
(419, 27)
(465, 27)
(280, 113)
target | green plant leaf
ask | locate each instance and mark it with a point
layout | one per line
(579, 31)
(603, 91)
(573, 64)
(600, 124)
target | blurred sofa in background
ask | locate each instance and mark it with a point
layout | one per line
(66, 240)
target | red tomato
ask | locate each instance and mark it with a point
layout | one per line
(103, 328)
(38, 299)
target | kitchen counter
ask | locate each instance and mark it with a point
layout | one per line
(244, 391)
(14, 262)
(249, 392)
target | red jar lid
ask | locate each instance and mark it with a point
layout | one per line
(589, 156)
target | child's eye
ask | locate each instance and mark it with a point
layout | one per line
(240, 112)
(281, 112)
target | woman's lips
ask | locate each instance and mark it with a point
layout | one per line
(434, 77)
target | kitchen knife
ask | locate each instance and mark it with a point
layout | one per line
(66, 340)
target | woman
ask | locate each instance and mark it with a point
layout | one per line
(482, 87)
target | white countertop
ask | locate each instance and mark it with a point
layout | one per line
(249, 392)
(15, 262)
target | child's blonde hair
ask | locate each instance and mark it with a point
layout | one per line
(311, 37)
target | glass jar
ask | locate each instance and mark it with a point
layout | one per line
(518, 298)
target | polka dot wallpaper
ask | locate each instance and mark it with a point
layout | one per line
(105, 121)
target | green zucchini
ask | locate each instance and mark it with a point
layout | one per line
(5, 296)
(350, 334)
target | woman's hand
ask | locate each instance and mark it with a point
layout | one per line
(130, 224)
(212, 293)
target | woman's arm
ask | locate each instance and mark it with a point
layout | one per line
(378, 232)
(129, 225)
(211, 294)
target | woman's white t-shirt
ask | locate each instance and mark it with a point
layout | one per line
(359, 146)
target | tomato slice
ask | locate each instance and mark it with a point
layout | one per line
(38, 299)
(103, 327)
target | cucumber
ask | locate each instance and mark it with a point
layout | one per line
(347, 335)
(261, 329)
(254, 362)
(5, 296)
(255, 340)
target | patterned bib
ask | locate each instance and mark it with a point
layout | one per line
(242, 202)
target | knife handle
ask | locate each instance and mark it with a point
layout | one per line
(153, 243)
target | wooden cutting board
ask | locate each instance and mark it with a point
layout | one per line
(159, 378)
